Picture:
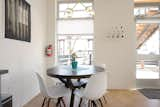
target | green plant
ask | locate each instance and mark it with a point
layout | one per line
(73, 56)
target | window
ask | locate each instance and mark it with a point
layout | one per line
(146, 11)
(147, 69)
(148, 60)
(79, 10)
(151, 46)
(75, 33)
(148, 43)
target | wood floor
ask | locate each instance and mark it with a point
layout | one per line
(115, 98)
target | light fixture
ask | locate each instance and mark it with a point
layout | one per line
(69, 11)
(90, 10)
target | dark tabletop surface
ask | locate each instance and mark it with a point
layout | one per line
(4, 97)
(82, 71)
(3, 72)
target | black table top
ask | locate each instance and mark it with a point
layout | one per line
(3, 72)
(82, 71)
(4, 97)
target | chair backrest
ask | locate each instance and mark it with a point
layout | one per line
(100, 67)
(42, 85)
(97, 86)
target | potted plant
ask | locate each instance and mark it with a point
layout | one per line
(73, 60)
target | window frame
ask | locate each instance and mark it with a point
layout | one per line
(74, 1)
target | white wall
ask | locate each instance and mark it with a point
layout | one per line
(23, 58)
(51, 37)
(51, 30)
(119, 55)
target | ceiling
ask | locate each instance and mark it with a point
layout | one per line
(146, 1)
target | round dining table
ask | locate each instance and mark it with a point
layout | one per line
(66, 74)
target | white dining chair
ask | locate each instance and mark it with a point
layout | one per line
(94, 91)
(54, 92)
(98, 68)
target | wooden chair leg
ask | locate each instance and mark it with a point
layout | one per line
(48, 102)
(80, 102)
(100, 102)
(44, 100)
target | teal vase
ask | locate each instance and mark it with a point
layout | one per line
(74, 64)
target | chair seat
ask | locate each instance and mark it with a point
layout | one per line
(58, 91)
(95, 88)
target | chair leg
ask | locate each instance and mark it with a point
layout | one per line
(97, 102)
(80, 102)
(105, 99)
(94, 104)
(58, 102)
(89, 103)
(43, 102)
(63, 101)
(48, 102)
(100, 102)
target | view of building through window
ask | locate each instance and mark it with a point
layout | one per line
(75, 33)
(146, 11)
(151, 46)
(148, 43)
(148, 65)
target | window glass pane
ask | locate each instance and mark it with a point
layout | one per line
(75, 27)
(151, 46)
(146, 11)
(82, 45)
(147, 69)
(62, 7)
(79, 10)
(80, 14)
(76, 14)
(75, 35)
(81, 6)
(148, 44)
